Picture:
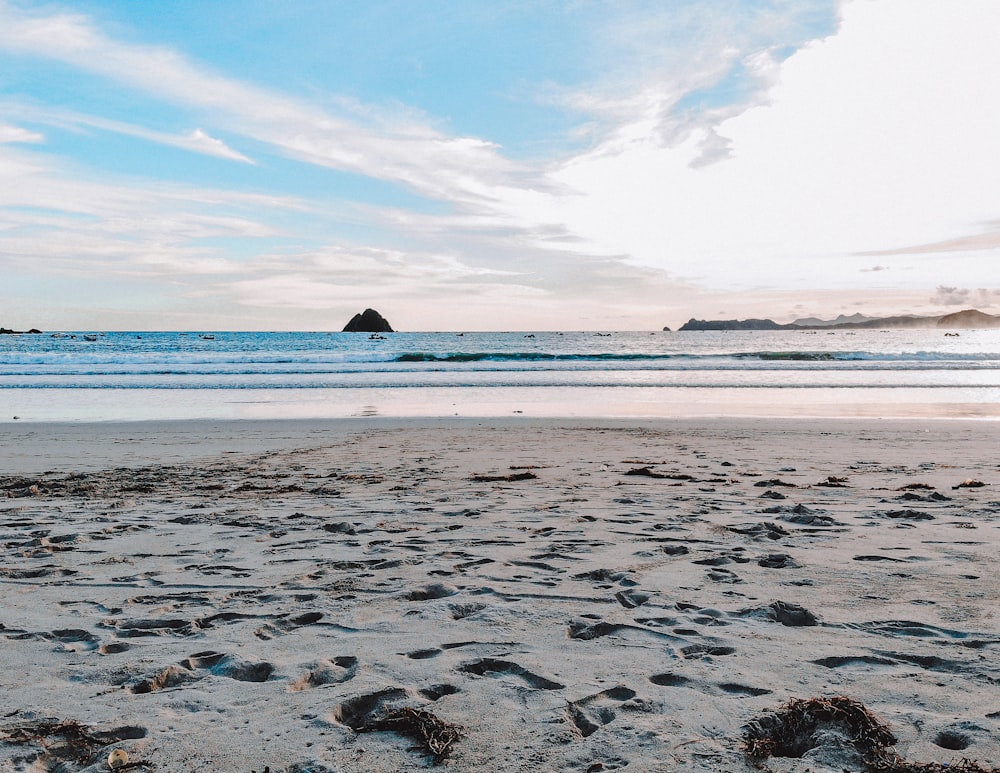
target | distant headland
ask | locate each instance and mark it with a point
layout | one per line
(960, 320)
(8, 331)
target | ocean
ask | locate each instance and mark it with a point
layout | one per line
(123, 376)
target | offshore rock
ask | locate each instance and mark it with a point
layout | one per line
(369, 321)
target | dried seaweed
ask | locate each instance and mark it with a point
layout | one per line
(512, 478)
(789, 732)
(649, 472)
(68, 739)
(72, 739)
(962, 766)
(435, 735)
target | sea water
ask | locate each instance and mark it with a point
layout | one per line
(163, 375)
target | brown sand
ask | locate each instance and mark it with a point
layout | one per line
(576, 595)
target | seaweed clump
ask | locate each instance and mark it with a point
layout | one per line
(512, 478)
(67, 739)
(434, 734)
(795, 729)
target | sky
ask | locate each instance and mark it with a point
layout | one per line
(495, 164)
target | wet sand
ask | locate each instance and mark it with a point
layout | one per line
(574, 594)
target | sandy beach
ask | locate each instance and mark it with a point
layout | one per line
(564, 594)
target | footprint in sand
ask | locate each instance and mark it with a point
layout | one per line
(462, 611)
(438, 691)
(670, 679)
(496, 668)
(152, 627)
(880, 558)
(426, 654)
(630, 599)
(167, 678)
(579, 629)
(219, 664)
(742, 690)
(68, 639)
(778, 561)
(590, 714)
(724, 576)
(359, 711)
(114, 647)
(706, 650)
(856, 662)
(789, 614)
(959, 736)
(437, 590)
(214, 663)
(908, 515)
(282, 625)
(333, 671)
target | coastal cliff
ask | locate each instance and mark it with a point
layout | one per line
(968, 319)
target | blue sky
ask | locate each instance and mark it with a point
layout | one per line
(577, 164)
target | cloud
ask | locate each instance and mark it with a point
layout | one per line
(988, 240)
(880, 135)
(197, 141)
(10, 133)
(963, 296)
(52, 223)
(683, 68)
(489, 195)
(415, 155)
(201, 142)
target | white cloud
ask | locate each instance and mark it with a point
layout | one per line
(416, 155)
(201, 142)
(981, 297)
(95, 226)
(10, 133)
(878, 137)
(986, 240)
(197, 141)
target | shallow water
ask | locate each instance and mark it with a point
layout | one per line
(127, 376)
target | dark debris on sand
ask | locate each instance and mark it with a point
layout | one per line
(791, 732)
(68, 740)
(649, 472)
(969, 483)
(434, 734)
(503, 478)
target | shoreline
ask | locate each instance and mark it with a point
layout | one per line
(627, 403)
(28, 447)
